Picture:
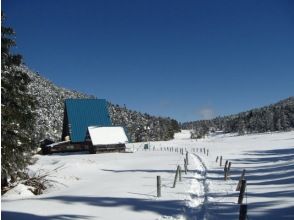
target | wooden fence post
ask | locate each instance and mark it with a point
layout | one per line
(229, 168)
(187, 160)
(207, 152)
(242, 191)
(180, 173)
(204, 150)
(243, 212)
(158, 186)
(185, 166)
(226, 170)
(240, 180)
(176, 176)
(220, 161)
(216, 159)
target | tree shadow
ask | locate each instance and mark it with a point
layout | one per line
(271, 169)
(7, 215)
(273, 172)
(265, 159)
(161, 207)
(257, 210)
(289, 193)
(280, 181)
(272, 152)
(270, 211)
(227, 211)
(140, 171)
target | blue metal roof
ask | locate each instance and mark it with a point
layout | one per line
(83, 113)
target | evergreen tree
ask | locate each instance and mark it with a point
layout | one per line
(241, 127)
(16, 110)
(175, 126)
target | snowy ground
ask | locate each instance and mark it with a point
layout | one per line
(123, 185)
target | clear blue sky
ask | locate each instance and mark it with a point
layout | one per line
(184, 59)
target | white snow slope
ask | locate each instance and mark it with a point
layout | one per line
(123, 185)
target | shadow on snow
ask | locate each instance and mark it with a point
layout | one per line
(169, 207)
(7, 215)
(268, 168)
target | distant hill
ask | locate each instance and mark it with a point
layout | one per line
(275, 117)
(140, 126)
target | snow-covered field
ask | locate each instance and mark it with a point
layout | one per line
(123, 185)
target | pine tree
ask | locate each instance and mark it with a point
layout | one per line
(241, 127)
(16, 110)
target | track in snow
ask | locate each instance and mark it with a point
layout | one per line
(199, 189)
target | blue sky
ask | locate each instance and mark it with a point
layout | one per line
(185, 59)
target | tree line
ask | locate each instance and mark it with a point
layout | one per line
(275, 117)
(142, 126)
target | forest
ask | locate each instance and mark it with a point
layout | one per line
(275, 117)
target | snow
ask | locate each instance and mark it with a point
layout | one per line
(123, 185)
(107, 135)
(58, 143)
(185, 134)
(19, 192)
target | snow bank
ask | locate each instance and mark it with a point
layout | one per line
(19, 192)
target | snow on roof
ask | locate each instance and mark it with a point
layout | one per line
(57, 143)
(107, 135)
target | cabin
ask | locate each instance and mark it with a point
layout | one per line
(87, 126)
(107, 139)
